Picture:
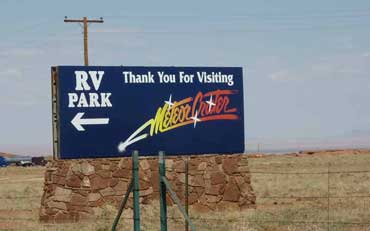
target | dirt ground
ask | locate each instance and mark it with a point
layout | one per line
(293, 192)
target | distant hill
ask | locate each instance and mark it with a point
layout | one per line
(7, 154)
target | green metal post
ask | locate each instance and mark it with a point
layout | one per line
(135, 175)
(162, 191)
(178, 202)
(116, 220)
(187, 192)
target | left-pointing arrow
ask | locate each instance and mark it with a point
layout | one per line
(78, 121)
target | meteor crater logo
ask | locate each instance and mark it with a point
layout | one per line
(203, 107)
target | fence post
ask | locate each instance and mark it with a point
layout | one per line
(187, 192)
(162, 192)
(177, 202)
(122, 207)
(135, 175)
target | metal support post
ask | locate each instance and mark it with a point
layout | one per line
(162, 192)
(116, 220)
(187, 192)
(178, 202)
(135, 175)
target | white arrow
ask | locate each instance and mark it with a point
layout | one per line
(77, 121)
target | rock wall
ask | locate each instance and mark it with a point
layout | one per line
(74, 188)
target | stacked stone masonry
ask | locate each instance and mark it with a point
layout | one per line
(74, 188)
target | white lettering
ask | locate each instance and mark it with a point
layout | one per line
(81, 81)
(105, 102)
(83, 101)
(96, 79)
(94, 97)
(91, 99)
(215, 77)
(165, 78)
(184, 78)
(72, 98)
(138, 78)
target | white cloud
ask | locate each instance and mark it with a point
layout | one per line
(341, 66)
(19, 88)
(21, 52)
(283, 75)
(10, 73)
(346, 42)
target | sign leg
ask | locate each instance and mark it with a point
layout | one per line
(187, 192)
(135, 175)
(162, 192)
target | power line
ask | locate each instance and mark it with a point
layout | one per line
(262, 16)
(241, 30)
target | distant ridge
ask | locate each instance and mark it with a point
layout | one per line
(313, 153)
(7, 154)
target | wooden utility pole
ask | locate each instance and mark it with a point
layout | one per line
(85, 22)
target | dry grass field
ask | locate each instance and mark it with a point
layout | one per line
(292, 194)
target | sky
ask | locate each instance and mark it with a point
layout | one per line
(306, 63)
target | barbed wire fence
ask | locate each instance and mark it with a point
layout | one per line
(208, 222)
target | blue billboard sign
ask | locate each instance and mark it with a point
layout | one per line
(109, 111)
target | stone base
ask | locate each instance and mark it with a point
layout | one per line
(73, 188)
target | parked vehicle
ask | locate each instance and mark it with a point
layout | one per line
(3, 162)
(40, 160)
(24, 161)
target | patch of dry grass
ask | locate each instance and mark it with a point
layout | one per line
(349, 192)
(281, 199)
